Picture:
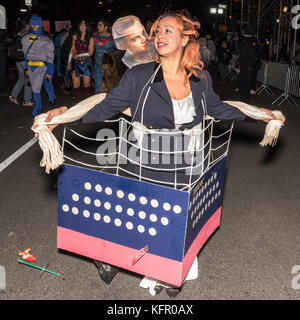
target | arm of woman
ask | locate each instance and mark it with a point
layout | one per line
(269, 113)
(91, 46)
(215, 106)
(73, 50)
(50, 115)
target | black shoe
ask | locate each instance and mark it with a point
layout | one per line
(13, 100)
(157, 289)
(173, 292)
(106, 271)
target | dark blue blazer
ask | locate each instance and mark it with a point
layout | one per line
(135, 91)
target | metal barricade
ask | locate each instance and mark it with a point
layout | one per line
(294, 81)
(280, 76)
(262, 78)
(276, 75)
(286, 92)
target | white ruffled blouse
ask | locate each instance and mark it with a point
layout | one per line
(184, 110)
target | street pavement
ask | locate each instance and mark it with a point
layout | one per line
(250, 256)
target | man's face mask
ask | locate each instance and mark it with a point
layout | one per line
(137, 42)
(130, 35)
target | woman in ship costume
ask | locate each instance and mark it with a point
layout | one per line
(172, 92)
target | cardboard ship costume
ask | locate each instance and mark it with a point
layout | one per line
(156, 218)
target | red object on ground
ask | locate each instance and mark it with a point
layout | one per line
(26, 255)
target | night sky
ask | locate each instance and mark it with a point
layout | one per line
(75, 9)
(91, 10)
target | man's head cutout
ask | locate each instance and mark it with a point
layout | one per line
(130, 35)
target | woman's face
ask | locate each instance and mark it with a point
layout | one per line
(168, 39)
(82, 27)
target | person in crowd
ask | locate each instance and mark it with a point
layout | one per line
(59, 41)
(262, 50)
(235, 42)
(273, 50)
(38, 52)
(154, 91)
(255, 67)
(212, 49)
(204, 53)
(104, 44)
(224, 56)
(79, 61)
(18, 57)
(246, 62)
(234, 47)
(66, 45)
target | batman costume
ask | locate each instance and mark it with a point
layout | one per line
(38, 52)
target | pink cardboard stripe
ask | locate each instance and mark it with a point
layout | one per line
(118, 255)
(160, 268)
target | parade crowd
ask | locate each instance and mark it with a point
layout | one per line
(85, 58)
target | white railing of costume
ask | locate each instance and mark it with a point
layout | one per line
(52, 151)
(194, 145)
